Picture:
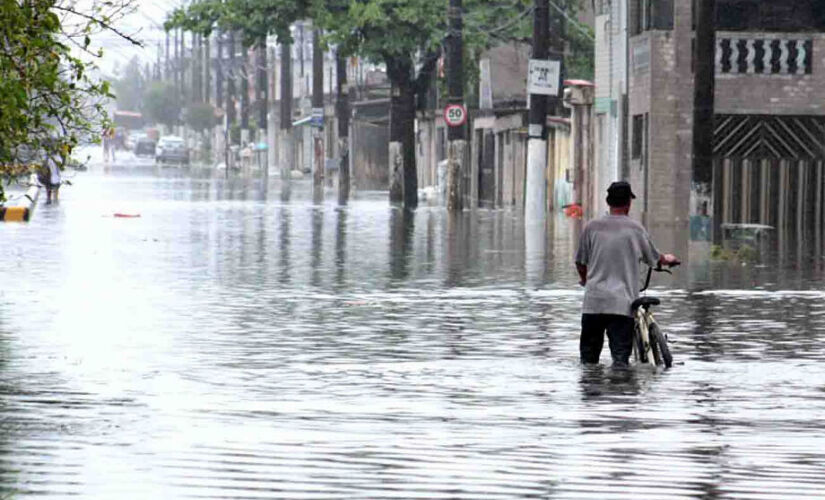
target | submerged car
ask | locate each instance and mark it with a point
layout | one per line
(171, 149)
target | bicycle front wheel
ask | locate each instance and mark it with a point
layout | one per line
(638, 346)
(658, 344)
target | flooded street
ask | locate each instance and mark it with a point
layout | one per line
(238, 340)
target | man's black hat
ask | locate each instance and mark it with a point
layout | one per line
(619, 194)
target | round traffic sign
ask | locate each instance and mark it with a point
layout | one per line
(455, 115)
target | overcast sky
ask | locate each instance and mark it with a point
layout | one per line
(147, 26)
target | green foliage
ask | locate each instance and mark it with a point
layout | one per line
(129, 88)
(580, 56)
(744, 254)
(255, 20)
(200, 116)
(48, 100)
(162, 103)
(235, 134)
(384, 29)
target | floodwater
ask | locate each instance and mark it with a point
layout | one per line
(240, 341)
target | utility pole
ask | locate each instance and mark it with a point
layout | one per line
(245, 94)
(535, 192)
(168, 67)
(302, 90)
(231, 111)
(286, 112)
(219, 100)
(176, 64)
(703, 104)
(158, 74)
(262, 97)
(197, 88)
(457, 133)
(182, 67)
(343, 113)
(318, 108)
(207, 69)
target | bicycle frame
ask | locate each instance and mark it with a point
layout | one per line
(643, 318)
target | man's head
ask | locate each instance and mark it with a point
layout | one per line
(619, 195)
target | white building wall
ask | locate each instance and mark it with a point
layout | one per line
(611, 85)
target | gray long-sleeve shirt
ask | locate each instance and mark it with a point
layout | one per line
(612, 248)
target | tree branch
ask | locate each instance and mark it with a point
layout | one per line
(101, 23)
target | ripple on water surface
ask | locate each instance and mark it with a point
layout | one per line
(234, 342)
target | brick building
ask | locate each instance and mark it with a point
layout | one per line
(769, 136)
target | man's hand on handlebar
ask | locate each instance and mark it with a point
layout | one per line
(669, 260)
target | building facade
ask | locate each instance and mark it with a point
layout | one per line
(769, 137)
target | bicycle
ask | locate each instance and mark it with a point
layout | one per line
(649, 343)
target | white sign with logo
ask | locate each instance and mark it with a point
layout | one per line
(543, 77)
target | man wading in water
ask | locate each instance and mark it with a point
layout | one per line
(610, 250)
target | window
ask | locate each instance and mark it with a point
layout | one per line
(638, 136)
(737, 15)
(652, 15)
(763, 15)
(661, 14)
(639, 16)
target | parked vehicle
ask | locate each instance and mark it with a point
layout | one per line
(171, 149)
(145, 146)
(131, 140)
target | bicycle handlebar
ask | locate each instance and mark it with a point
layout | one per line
(658, 269)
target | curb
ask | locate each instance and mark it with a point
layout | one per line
(25, 211)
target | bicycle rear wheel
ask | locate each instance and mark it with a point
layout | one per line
(658, 344)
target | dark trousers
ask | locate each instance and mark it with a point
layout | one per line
(619, 333)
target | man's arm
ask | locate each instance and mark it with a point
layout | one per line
(582, 269)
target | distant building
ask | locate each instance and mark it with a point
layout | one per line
(769, 105)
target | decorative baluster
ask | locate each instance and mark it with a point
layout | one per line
(801, 55)
(783, 58)
(750, 57)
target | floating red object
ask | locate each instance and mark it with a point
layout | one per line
(573, 210)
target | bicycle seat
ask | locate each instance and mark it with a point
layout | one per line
(645, 302)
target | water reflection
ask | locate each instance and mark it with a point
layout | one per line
(317, 243)
(402, 230)
(340, 248)
(241, 340)
(284, 236)
(599, 382)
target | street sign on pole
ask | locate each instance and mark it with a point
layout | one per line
(455, 115)
(544, 77)
(317, 119)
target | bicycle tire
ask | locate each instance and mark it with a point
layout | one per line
(654, 349)
(661, 351)
(638, 345)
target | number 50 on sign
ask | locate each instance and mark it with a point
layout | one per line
(455, 115)
(544, 77)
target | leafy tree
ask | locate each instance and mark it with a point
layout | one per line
(162, 103)
(129, 88)
(48, 99)
(404, 35)
(200, 116)
(254, 20)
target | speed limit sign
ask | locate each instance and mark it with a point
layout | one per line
(455, 115)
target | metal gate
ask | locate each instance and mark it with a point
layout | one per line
(769, 170)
